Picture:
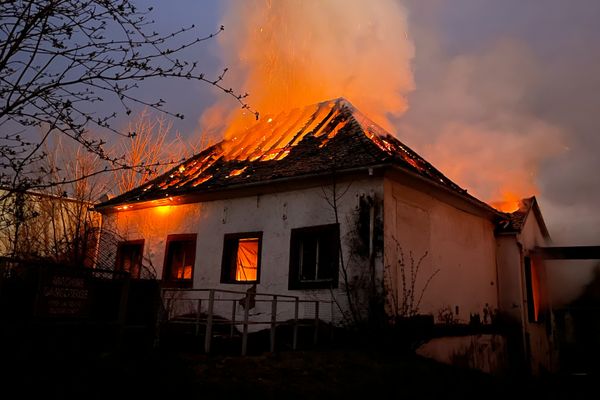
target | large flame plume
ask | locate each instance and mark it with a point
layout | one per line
(293, 53)
(467, 117)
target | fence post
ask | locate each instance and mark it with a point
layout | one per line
(169, 300)
(209, 321)
(295, 337)
(332, 321)
(198, 312)
(41, 272)
(273, 322)
(233, 306)
(245, 334)
(159, 316)
(316, 336)
(123, 301)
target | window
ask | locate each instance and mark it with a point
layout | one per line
(241, 258)
(314, 255)
(180, 256)
(129, 257)
(536, 309)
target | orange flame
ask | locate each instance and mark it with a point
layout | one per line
(289, 54)
(295, 53)
(509, 203)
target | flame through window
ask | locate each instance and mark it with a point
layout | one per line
(241, 257)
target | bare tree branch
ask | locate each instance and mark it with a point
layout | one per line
(59, 58)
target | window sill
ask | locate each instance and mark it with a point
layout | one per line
(177, 284)
(312, 285)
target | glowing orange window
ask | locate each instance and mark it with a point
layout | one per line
(241, 258)
(129, 257)
(180, 256)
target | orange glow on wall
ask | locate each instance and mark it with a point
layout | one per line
(164, 210)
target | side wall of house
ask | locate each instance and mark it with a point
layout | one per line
(537, 344)
(510, 278)
(450, 252)
(275, 215)
(539, 335)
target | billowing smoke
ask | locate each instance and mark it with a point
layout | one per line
(294, 53)
(470, 118)
(506, 103)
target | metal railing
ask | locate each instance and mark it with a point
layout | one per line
(215, 301)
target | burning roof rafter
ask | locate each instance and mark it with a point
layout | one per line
(318, 139)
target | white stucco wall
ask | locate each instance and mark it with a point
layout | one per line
(459, 244)
(510, 278)
(274, 214)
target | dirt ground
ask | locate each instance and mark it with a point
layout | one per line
(68, 371)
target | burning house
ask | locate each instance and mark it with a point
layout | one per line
(321, 203)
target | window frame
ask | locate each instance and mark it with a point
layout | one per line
(296, 238)
(166, 272)
(228, 256)
(119, 256)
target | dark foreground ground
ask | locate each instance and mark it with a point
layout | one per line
(68, 368)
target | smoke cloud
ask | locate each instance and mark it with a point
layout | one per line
(469, 117)
(506, 101)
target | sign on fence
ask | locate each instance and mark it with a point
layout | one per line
(63, 294)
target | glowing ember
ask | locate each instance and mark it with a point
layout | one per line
(237, 172)
(270, 156)
(269, 140)
(201, 180)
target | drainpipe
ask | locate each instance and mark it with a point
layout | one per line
(372, 236)
(372, 245)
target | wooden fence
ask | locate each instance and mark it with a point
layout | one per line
(45, 291)
(209, 306)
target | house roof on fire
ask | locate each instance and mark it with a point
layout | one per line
(332, 136)
(516, 219)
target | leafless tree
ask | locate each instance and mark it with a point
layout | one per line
(59, 58)
(333, 195)
(58, 223)
(154, 149)
(147, 150)
(402, 276)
